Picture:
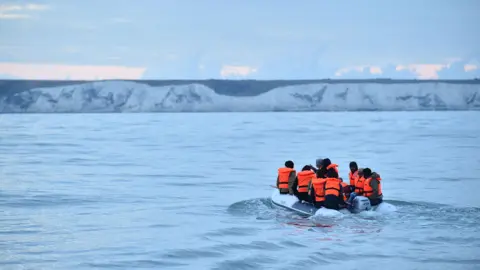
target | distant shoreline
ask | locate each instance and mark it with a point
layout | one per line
(237, 96)
(258, 80)
(231, 87)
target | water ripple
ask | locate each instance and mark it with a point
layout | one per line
(247, 263)
(124, 192)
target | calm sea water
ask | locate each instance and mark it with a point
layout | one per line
(191, 191)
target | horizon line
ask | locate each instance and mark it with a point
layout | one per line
(256, 80)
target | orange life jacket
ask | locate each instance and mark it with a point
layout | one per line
(368, 190)
(283, 176)
(319, 185)
(304, 178)
(333, 187)
(359, 185)
(353, 177)
(346, 191)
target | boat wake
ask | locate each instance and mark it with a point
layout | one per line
(389, 211)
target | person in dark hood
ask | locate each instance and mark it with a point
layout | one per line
(372, 187)
(322, 171)
(367, 172)
(318, 164)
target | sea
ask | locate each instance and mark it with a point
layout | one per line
(192, 190)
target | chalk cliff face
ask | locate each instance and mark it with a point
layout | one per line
(127, 96)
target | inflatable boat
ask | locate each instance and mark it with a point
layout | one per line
(291, 202)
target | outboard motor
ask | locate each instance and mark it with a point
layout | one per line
(360, 204)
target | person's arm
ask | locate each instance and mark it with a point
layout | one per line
(312, 194)
(295, 185)
(361, 186)
(291, 180)
(342, 201)
(374, 185)
(313, 169)
(278, 182)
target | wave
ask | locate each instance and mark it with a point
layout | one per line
(263, 207)
(47, 200)
(126, 96)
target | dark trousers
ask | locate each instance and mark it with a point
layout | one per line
(303, 196)
(377, 201)
(318, 204)
(331, 202)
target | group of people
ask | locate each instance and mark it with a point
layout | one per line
(323, 187)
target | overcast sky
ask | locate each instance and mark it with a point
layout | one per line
(252, 39)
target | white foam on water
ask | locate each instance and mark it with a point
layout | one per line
(385, 207)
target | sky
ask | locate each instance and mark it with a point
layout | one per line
(250, 39)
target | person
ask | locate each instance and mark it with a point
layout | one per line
(322, 171)
(372, 187)
(353, 174)
(302, 181)
(286, 178)
(359, 184)
(318, 163)
(333, 189)
(346, 190)
(316, 191)
(357, 189)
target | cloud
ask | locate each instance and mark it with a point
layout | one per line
(359, 69)
(470, 67)
(453, 60)
(424, 71)
(13, 16)
(375, 70)
(5, 10)
(459, 70)
(36, 7)
(236, 71)
(452, 68)
(72, 72)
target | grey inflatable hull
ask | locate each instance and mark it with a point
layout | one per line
(291, 202)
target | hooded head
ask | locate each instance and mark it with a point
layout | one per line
(332, 173)
(289, 164)
(318, 162)
(367, 173)
(353, 166)
(326, 162)
(360, 172)
(306, 168)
